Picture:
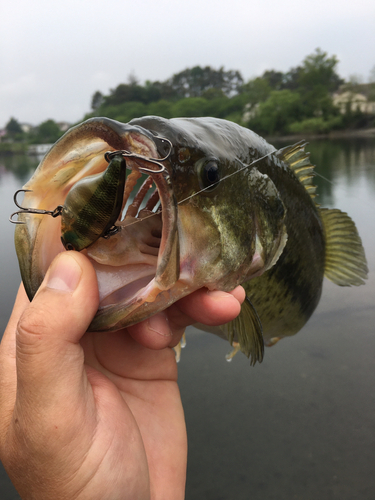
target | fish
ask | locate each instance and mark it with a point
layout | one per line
(219, 206)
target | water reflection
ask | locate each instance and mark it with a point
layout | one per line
(301, 425)
(22, 166)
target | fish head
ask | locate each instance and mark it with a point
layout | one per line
(220, 221)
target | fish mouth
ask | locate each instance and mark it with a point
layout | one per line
(141, 261)
(139, 265)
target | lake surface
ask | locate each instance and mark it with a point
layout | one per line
(302, 424)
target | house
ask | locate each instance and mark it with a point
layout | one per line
(26, 127)
(353, 101)
(63, 126)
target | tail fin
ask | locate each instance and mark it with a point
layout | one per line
(345, 262)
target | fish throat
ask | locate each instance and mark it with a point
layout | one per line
(138, 260)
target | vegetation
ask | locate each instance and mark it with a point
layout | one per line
(296, 102)
(193, 92)
(299, 101)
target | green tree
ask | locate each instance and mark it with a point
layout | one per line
(256, 91)
(274, 79)
(47, 132)
(315, 80)
(274, 115)
(319, 69)
(291, 79)
(97, 100)
(193, 82)
(125, 92)
(190, 107)
(13, 127)
(160, 108)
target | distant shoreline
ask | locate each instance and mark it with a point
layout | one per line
(365, 133)
(335, 134)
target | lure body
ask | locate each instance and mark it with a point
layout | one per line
(92, 206)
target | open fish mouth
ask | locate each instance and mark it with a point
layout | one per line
(140, 261)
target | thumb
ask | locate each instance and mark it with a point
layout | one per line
(48, 354)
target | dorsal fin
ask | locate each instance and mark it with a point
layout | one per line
(298, 160)
(345, 262)
(246, 329)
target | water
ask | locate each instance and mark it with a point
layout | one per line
(301, 424)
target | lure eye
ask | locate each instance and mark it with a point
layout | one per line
(67, 244)
(210, 175)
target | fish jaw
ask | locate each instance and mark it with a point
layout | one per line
(78, 154)
(205, 241)
(133, 283)
(199, 254)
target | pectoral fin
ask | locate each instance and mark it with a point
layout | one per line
(345, 262)
(246, 329)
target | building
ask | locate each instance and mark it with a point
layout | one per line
(354, 101)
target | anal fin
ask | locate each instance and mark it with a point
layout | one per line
(246, 329)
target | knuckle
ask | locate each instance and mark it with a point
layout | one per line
(32, 326)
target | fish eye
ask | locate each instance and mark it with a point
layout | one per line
(210, 175)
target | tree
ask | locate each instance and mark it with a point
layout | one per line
(274, 115)
(193, 82)
(291, 79)
(125, 92)
(256, 90)
(97, 100)
(315, 80)
(48, 132)
(191, 106)
(13, 127)
(274, 79)
(319, 69)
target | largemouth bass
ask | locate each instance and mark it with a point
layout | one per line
(226, 208)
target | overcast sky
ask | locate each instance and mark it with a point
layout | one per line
(55, 55)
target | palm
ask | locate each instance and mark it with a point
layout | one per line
(152, 415)
(95, 415)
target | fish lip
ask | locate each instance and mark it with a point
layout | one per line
(162, 179)
(83, 147)
(115, 316)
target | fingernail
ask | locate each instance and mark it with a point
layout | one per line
(159, 324)
(64, 273)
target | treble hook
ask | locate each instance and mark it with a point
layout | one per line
(156, 161)
(54, 213)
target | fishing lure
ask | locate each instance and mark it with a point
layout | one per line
(94, 203)
(91, 207)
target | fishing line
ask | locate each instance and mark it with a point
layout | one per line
(325, 178)
(208, 187)
(227, 176)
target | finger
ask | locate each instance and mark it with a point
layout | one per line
(166, 328)
(155, 332)
(8, 342)
(49, 357)
(8, 379)
(210, 307)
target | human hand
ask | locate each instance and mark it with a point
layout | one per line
(95, 415)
